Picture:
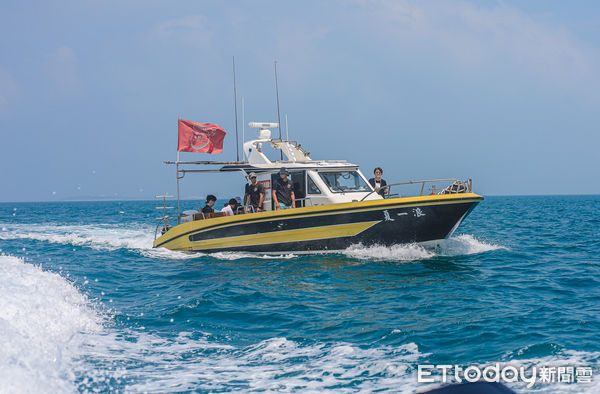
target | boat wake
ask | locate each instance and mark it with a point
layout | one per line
(99, 237)
(43, 325)
(456, 246)
(109, 238)
(140, 239)
(54, 339)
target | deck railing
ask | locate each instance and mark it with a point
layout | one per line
(388, 188)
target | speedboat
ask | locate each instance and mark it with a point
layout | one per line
(336, 207)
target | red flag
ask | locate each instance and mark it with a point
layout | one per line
(200, 137)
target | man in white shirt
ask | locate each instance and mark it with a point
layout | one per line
(230, 207)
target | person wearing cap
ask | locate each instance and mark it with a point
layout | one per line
(283, 191)
(254, 193)
(230, 208)
(210, 202)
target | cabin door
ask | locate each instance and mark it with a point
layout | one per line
(299, 181)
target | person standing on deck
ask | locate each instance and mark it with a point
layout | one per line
(377, 182)
(254, 194)
(283, 191)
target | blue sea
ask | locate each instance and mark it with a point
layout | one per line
(86, 304)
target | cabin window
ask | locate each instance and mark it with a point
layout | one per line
(344, 181)
(312, 187)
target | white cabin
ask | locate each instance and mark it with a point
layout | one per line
(316, 182)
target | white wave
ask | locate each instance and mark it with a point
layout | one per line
(156, 365)
(100, 237)
(455, 246)
(43, 321)
(109, 237)
(174, 254)
(162, 253)
(54, 340)
(247, 255)
(406, 252)
(465, 244)
(564, 358)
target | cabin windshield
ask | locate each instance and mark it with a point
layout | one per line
(344, 181)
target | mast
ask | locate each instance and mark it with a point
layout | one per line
(237, 144)
(243, 128)
(278, 114)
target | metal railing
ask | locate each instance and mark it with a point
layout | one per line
(165, 222)
(165, 218)
(388, 188)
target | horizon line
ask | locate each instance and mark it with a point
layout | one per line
(193, 198)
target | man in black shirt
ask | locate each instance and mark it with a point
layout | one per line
(377, 182)
(283, 191)
(254, 194)
(210, 202)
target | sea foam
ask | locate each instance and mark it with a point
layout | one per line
(54, 339)
(455, 246)
(43, 321)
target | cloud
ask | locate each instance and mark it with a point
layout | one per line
(298, 45)
(62, 67)
(473, 36)
(190, 29)
(8, 90)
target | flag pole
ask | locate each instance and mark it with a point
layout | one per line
(178, 206)
(237, 144)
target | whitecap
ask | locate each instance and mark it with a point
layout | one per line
(55, 340)
(402, 252)
(466, 244)
(455, 246)
(100, 237)
(43, 321)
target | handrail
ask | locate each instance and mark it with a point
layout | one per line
(423, 182)
(164, 222)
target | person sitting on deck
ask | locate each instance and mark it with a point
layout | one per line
(377, 182)
(231, 207)
(283, 191)
(210, 202)
(239, 208)
(254, 194)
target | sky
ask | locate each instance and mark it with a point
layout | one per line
(506, 93)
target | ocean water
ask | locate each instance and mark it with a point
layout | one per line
(86, 304)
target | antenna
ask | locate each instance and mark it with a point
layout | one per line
(278, 115)
(287, 130)
(243, 128)
(237, 144)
